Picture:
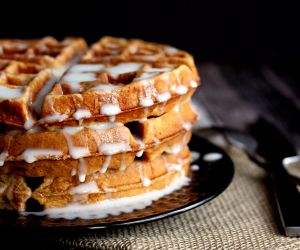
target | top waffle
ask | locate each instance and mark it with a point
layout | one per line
(116, 50)
(116, 80)
(26, 66)
(120, 80)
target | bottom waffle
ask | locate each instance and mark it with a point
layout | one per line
(115, 206)
(142, 176)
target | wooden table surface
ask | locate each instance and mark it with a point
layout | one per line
(240, 94)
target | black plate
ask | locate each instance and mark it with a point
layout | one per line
(207, 183)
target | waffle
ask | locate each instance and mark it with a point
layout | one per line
(116, 82)
(61, 191)
(92, 164)
(82, 126)
(27, 69)
(118, 50)
(97, 139)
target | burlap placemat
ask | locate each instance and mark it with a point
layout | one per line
(243, 217)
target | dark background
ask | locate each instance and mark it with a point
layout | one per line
(247, 31)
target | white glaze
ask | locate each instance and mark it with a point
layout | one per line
(139, 153)
(176, 108)
(114, 148)
(181, 90)
(79, 77)
(174, 167)
(34, 130)
(187, 126)
(195, 155)
(163, 97)
(145, 76)
(193, 84)
(104, 125)
(85, 188)
(112, 206)
(74, 86)
(82, 113)
(82, 170)
(195, 167)
(73, 172)
(3, 157)
(158, 70)
(71, 130)
(74, 80)
(184, 139)
(31, 155)
(78, 152)
(2, 189)
(174, 149)
(210, 157)
(58, 72)
(123, 68)
(86, 68)
(55, 118)
(106, 87)
(145, 180)
(16, 45)
(122, 165)
(133, 49)
(10, 93)
(139, 141)
(146, 101)
(105, 164)
(170, 49)
(29, 124)
(74, 151)
(110, 109)
(143, 119)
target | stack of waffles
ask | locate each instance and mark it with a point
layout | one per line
(104, 127)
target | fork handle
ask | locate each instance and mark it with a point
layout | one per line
(287, 199)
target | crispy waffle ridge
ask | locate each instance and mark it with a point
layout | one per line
(17, 192)
(120, 80)
(27, 70)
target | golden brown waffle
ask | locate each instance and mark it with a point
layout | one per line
(89, 165)
(117, 50)
(116, 82)
(26, 66)
(14, 192)
(114, 125)
(139, 114)
(138, 178)
(46, 52)
(97, 139)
